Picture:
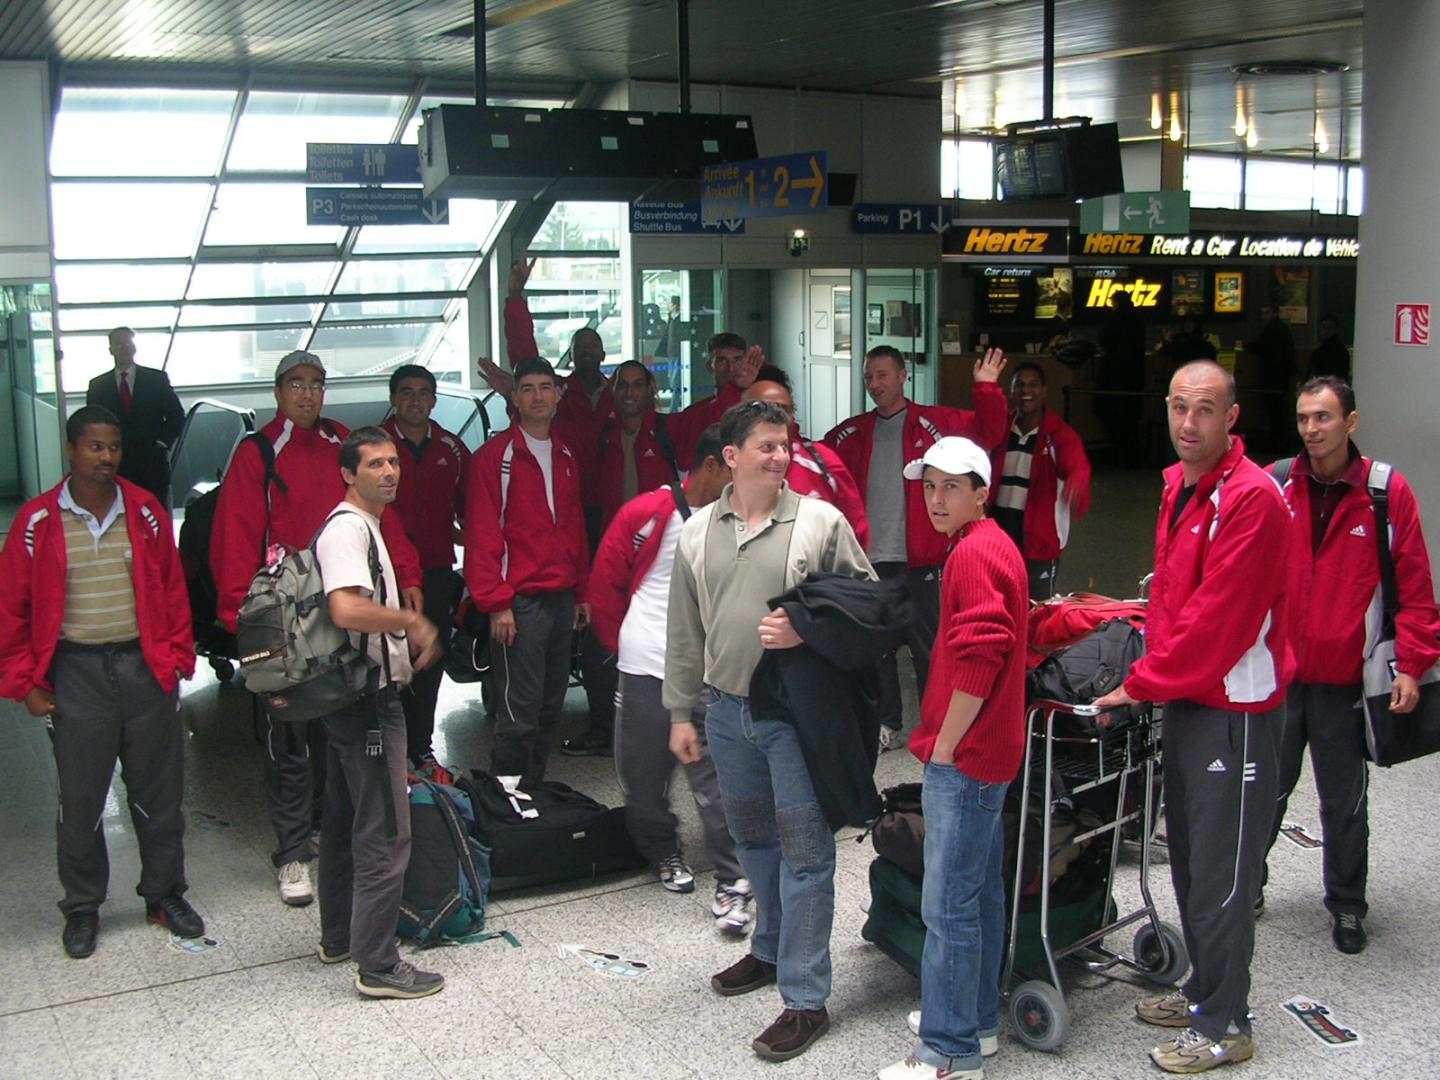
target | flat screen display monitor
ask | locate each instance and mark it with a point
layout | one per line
(1065, 163)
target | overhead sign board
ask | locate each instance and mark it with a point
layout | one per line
(1216, 246)
(781, 186)
(1146, 212)
(678, 219)
(899, 219)
(1032, 241)
(362, 163)
(373, 206)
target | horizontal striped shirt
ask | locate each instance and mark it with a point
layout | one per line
(99, 575)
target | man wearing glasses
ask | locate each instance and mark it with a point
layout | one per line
(281, 484)
(430, 500)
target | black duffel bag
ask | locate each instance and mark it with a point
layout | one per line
(1090, 668)
(557, 834)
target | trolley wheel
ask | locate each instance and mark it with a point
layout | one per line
(1039, 1015)
(1150, 956)
(223, 668)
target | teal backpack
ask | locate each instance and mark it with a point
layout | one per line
(448, 879)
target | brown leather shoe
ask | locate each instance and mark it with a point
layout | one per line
(746, 974)
(791, 1035)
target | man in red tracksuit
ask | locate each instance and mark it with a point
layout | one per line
(260, 519)
(734, 366)
(1335, 603)
(1042, 480)
(875, 447)
(526, 564)
(636, 451)
(94, 639)
(629, 602)
(815, 471)
(431, 499)
(1218, 656)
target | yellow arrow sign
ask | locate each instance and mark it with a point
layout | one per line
(815, 182)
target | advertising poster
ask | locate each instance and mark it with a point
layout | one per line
(1187, 292)
(1055, 294)
(1292, 294)
(1229, 292)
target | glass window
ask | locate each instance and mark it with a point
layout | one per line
(264, 214)
(138, 318)
(582, 226)
(967, 170)
(128, 220)
(452, 351)
(220, 356)
(358, 349)
(275, 127)
(1288, 185)
(229, 279)
(403, 275)
(231, 314)
(679, 310)
(470, 222)
(380, 309)
(1213, 180)
(1354, 190)
(101, 131)
(89, 284)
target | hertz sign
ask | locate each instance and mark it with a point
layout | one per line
(975, 242)
(1143, 294)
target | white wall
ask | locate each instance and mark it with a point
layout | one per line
(24, 124)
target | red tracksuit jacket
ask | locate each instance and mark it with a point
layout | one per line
(624, 557)
(525, 551)
(1217, 632)
(980, 650)
(308, 463)
(432, 493)
(690, 423)
(805, 477)
(32, 592)
(1059, 457)
(924, 425)
(652, 467)
(1335, 592)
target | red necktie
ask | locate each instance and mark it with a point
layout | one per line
(125, 393)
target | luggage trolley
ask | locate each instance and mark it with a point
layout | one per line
(1088, 761)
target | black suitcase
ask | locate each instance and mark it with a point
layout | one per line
(572, 838)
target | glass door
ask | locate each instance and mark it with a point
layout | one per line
(678, 312)
(30, 411)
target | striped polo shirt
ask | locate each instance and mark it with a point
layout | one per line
(99, 575)
(1014, 489)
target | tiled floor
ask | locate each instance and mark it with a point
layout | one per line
(259, 1005)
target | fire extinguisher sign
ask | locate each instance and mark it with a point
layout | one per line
(1412, 324)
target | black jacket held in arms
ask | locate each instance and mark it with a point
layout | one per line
(827, 686)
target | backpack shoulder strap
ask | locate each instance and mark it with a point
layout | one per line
(1280, 470)
(678, 491)
(1377, 483)
(814, 452)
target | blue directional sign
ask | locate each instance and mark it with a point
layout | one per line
(678, 219)
(362, 163)
(899, 219)
(766, 187)
(373, 206)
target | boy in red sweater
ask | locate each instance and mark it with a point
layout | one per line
(971, 738)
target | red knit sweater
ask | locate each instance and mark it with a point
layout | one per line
(980, 650)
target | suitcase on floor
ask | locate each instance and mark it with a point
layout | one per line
(557, 834)
(1078, 905)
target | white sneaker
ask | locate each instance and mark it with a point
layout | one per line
(912, 1068)
(989, 1044)
(295, 887)
(892, 738)
(675, 875)
(732, 906)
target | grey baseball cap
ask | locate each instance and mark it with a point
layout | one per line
(299, 358)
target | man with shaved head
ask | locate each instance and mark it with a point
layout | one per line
(1218, 656)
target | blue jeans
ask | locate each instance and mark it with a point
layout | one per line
(963, 904)
(785, 846)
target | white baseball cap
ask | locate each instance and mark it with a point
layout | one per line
(954, 455)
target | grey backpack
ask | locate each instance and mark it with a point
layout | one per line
(292, 655)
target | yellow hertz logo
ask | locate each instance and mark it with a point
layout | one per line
(1143, 294)
(989, 241)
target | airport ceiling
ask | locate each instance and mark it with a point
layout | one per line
(1116, 59)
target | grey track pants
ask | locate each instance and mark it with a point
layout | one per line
(1329, 720)
(924, 587)
(108, 706)
(1220, 776)
(362, 871)
(645, 765)
(531, 677)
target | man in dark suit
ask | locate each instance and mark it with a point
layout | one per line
(150, 414)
